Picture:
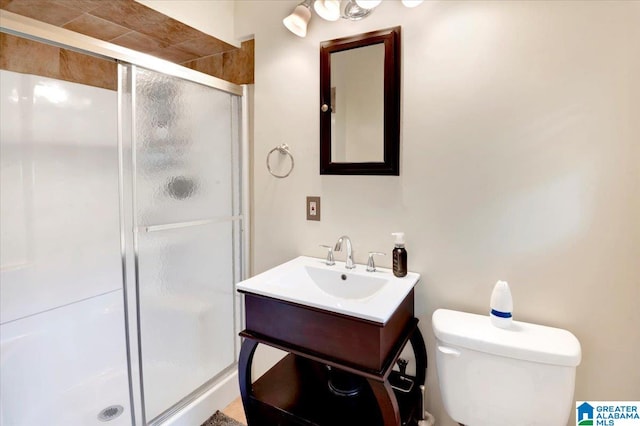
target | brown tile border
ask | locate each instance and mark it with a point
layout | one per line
(80, 68)
(95, 27)
(139, 42)
(31, 57)
(236, 66)
(49, 11)
(135, 26)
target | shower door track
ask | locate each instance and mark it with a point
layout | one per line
(186, 400)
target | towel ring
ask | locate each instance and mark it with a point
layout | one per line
(282, 149)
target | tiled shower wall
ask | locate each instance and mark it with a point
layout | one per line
(30, 57)
(235, 66)
(135, 26)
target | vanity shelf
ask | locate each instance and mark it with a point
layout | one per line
(296, 392)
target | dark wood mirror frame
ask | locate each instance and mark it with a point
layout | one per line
(391, 165)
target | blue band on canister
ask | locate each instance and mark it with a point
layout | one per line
(501, 314)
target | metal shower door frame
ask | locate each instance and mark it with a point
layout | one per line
(128, 59)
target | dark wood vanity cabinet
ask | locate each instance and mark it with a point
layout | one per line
(326, 348)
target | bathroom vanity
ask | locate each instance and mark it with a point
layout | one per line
(339, 367)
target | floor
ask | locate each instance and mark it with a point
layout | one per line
(236, 411)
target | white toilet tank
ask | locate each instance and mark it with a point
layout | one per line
(489, 376)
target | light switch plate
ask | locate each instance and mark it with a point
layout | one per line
(313, 208)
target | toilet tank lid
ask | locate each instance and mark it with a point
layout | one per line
(524, 341)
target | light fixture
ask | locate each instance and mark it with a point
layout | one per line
(332, 10)
(354, 12)
(327, 9)
(412, 3)
(299, 19)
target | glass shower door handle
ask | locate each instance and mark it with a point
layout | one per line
(188, 224)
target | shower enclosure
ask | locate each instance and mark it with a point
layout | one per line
(122, 233)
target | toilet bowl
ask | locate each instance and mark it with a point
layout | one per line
(490, 376)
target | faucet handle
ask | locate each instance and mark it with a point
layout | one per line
(371, 266)
(330, 260)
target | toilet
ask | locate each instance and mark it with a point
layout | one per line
(489, 376)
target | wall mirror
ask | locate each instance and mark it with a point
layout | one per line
(360, 104)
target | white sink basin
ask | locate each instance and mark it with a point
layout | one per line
(344, 285)
(355, 292)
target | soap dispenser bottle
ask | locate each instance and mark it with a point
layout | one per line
(399, 256)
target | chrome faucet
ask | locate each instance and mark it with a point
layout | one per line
(349, 261)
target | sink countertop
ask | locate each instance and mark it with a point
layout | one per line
(292, 281)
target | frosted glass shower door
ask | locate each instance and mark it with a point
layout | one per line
(186, 214)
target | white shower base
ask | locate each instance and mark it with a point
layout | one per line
(62, 367)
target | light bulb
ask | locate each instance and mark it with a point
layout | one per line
(368, 4)
(328, 9)
(412, 3)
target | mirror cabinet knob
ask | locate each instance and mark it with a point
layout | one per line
(324, 108)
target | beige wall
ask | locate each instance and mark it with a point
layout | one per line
(520, 161)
